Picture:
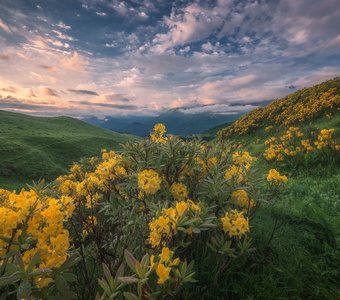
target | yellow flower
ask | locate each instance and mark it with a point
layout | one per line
(179, 191)
(175, 262)
(163, 228)
(242, 199)
(163, 273)
(275, 177)
(181, 207)
(243, 159)
(149, 181)
(152, 261)
(159, 228)
(235, 173)
(157, 134)
(235, 224)
(165, 254)
(43, 282)
(194, 207)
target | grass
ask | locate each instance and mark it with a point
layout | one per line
(300, 258)
(296, 241)
(34, 147)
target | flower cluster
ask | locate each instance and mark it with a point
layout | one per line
(179, 191)
(87, 185)
(242, 161)
(235, 224)
(275, 177)
(157, 135)
(242, 199)
(149, 181)
(31, 223)
(164, 264)
(293, 143)
(164, 227)
(324, 138)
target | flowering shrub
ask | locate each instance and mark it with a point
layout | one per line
(34, 242)
(156, 206)
(293, 146)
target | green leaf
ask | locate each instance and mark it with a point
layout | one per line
(40, 272)
(104, 286)
(70, 277)
(71, 261)
(19, 261)
(130, 259)
(63, 288)
(145, 261)
(120, 271)
(34, 261)
(128, 279)
(24, 290)
(139, 270)
(107, 272)
(7, 280)
(196, 230)
(130, 296)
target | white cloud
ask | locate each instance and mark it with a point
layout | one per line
(193, 23)
(62, 25)
(143, 15)
(62, 36)
(4, 26)
(220, 109)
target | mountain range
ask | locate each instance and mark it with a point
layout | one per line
(177, 122)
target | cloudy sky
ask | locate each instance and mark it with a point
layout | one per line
(115, 57)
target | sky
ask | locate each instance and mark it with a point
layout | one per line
(143, 57)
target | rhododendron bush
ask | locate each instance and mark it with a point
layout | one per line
(133, 224)
(296, 148)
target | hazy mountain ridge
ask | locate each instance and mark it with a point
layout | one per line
(176, 121)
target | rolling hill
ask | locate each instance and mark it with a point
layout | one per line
(302, 107)
(39, 147)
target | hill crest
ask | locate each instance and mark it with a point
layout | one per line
(301, 106)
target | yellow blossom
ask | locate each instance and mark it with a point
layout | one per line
(235, 224)
(275, 177)
(149, 181)
(165, 254)
(163, 273)
(179, 191)
(241, 197)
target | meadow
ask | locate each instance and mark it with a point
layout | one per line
(250, 213)
(33, 148)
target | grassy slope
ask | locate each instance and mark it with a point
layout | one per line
(302, 259)
(35, 147)
(303, 106)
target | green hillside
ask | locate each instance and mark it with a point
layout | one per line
(306, 221)
(301, 107)
(39, 147)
